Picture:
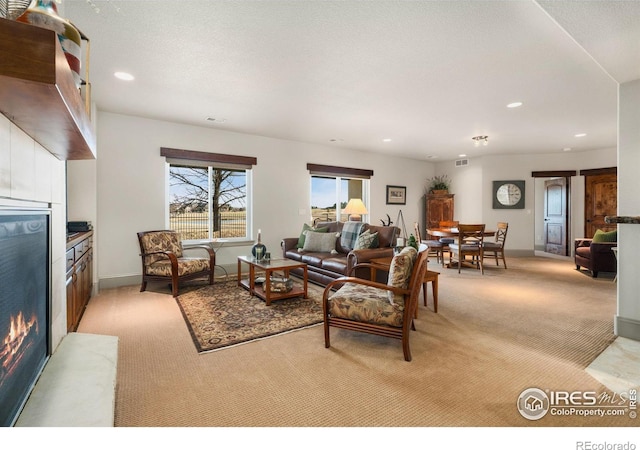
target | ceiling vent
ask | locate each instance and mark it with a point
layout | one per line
(462, 162)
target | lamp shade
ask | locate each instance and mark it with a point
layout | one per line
(355, 208)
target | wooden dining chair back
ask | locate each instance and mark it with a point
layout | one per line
(447, 240)
(469, 243)
(495, 248)
(378, 308)
(434, 246)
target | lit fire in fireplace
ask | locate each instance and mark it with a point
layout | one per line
(15, 343)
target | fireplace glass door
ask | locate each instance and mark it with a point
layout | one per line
(24, 306)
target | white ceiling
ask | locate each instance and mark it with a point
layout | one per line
(428, 75)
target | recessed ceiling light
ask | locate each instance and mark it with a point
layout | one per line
(461, 155)
(386, 140)
(581, 135)
(514, 104)
(566, 149)
(124, 76)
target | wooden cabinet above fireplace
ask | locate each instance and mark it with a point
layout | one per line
(38, 94)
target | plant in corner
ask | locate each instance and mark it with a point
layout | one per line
(438, 183)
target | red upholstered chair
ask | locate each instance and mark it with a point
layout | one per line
(595, 255)
(163, 259)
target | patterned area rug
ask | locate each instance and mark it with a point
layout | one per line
(225, 314)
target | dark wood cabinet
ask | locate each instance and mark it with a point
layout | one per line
(79, 277)
(439, 207)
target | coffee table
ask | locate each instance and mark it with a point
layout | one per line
(269, 267)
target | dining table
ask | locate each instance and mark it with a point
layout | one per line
(452, 232)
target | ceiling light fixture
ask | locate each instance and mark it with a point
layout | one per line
(514, 105)
(580, 135)
(386, 140)
(479, 139)
(124, 76)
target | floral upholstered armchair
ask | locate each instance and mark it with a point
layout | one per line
(163, 259)
(376, 308)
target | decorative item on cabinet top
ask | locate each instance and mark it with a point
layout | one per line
(439, 184)
(44, 14)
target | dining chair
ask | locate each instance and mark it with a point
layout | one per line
(447, 240)
(469, 242)
(434, 245)
(496, 248)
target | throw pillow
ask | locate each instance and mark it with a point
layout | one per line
(319, 242)
(400, 273)
(306, 227)
(605, 236)
(350, 233)
(367, 240)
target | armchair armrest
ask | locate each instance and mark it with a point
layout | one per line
(582, 242)
(210, 253)
(602, 247)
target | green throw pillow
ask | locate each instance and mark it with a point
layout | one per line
(605, 236)
(306, 227)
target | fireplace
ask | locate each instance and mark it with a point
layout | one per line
(24, 306)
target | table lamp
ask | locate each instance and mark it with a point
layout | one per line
(355, 208)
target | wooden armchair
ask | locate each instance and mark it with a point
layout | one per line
(376, 308)
(435, 247)
(163, 259)
(469, 242)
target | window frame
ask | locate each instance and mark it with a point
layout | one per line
(189, 158)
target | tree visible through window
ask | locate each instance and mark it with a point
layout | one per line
(207, 202)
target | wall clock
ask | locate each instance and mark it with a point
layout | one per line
(508, 194)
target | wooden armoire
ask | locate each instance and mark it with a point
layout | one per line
(439, 207)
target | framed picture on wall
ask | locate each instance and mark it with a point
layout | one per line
(396, 195)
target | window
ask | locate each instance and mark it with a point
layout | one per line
(208, 198)
(332, 188)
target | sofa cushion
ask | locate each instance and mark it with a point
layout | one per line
(605, 236)
(350, 233)
(367, 239)
(400, 273)
(307, 227)
(320, 242)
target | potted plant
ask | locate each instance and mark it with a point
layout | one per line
(439, 184)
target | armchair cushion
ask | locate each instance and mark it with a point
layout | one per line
(186, 266)
(400, 273)
(605, 236)
(156, 243)
(365, 304)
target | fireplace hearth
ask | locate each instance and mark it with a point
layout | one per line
(24, 306)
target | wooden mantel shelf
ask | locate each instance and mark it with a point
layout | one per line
(622, 219)
(38, 94)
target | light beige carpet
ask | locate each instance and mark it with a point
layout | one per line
(537, 324)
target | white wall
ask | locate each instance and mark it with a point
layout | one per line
(627, 322)
(473, 189)
(131, 185)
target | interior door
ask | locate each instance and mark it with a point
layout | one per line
(601, 200)
(555, 216)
